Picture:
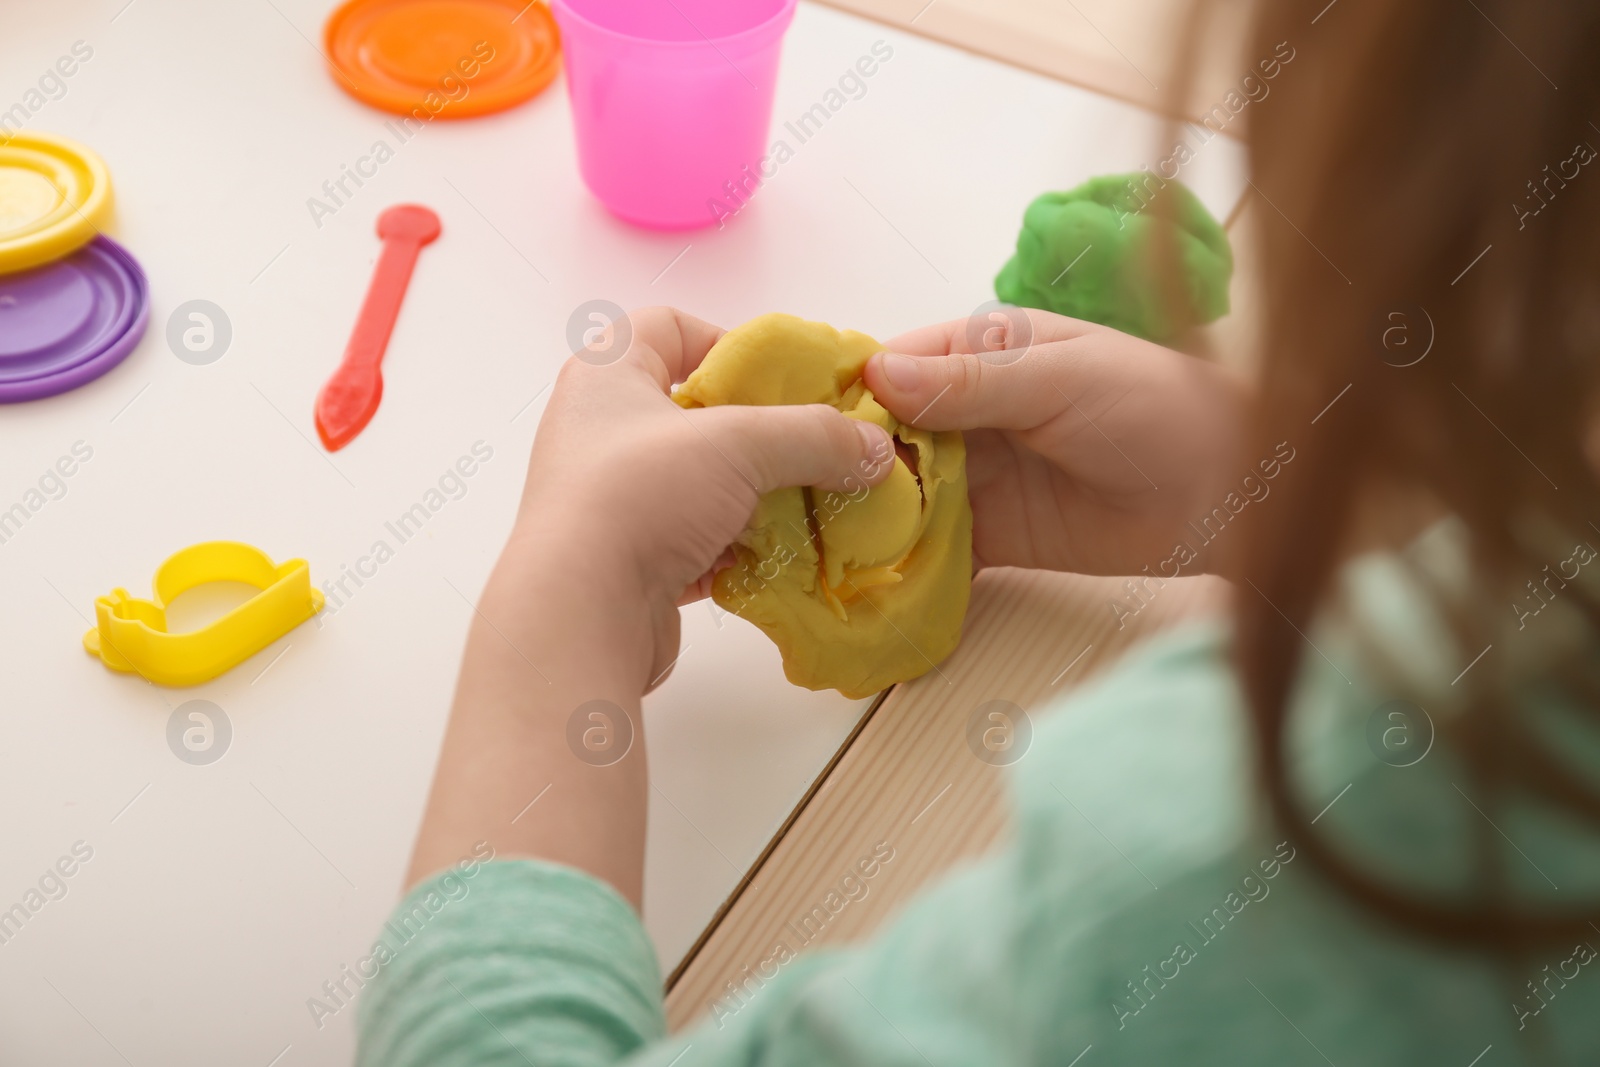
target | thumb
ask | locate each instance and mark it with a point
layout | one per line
(964, 391)
(805, 444)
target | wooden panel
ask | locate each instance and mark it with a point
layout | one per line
(911, 779)
(1123, 48)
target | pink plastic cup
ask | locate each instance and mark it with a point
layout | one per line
(671, 100)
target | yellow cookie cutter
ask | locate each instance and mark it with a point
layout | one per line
(131, 634)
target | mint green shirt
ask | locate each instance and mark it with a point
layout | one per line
(1141, 915)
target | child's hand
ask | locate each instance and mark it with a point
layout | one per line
(630, 501)
(644, 497)
(1088, 451)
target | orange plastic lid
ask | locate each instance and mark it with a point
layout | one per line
(447, 59)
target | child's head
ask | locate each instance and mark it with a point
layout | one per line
(1427, 210)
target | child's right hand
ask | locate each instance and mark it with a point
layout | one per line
(1087, 451)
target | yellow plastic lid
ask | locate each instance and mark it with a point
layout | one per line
(55, 194)
(443, 58)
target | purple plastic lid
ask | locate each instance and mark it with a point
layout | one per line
(68, 322)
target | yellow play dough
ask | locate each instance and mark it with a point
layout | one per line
(858, 589)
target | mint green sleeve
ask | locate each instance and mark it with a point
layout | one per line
(543, 965)
(523, 962)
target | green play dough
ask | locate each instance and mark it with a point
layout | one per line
(1105, 230)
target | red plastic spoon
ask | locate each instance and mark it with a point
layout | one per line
(348, 399)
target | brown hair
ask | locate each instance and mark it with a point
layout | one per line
(1417, 160)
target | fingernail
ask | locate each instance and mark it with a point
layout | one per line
(902, 371)
(873, 437)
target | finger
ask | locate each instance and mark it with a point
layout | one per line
(697, 590)
(668, 641)
(809, 444)
(665, 343)
(1084, 379)
(1001, 328)
(960, 392)
(701, 587)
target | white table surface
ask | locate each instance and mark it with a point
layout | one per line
(220, 897)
